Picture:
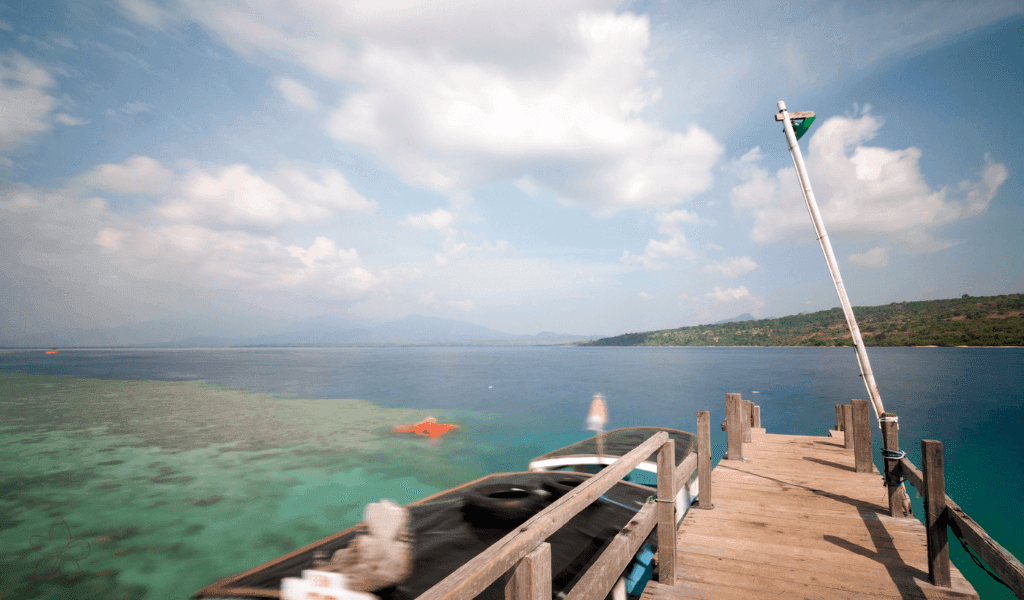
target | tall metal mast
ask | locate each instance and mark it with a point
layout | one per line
(826, 248)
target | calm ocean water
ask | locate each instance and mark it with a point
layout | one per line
(152, 473)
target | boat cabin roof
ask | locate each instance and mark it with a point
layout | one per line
(619, 442)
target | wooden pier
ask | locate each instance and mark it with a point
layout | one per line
(794, 519)
(781, 516)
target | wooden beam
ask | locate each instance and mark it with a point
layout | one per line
(667, 513)
(685, 470)
(848, 425)
(734, 436)
(934, 512)
(747, 417)
(840, 423)
(862, 436)
(1002, 563)
(757, 416)
(606, 570)
(796, 115)
(704, 459)
(531, 578)
(475, 575)
(899, 502)
(913, 474)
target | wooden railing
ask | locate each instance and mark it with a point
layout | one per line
(940, 510)
(526, 557)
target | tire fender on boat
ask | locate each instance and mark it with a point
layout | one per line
(506, 502)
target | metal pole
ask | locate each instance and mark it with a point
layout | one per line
(833, 267)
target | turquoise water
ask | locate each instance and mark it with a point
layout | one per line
(150, 474)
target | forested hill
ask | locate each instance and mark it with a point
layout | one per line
(966, 321)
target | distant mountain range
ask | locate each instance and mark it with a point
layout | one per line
(965, 321)
(739, 319)
(319, 331)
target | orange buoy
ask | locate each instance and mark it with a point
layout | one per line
(428, 427)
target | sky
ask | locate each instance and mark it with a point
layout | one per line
(582, 167)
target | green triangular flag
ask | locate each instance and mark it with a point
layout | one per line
(801, 128)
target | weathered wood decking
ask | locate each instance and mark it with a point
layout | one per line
(794, 520)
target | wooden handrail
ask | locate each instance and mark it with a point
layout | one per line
(473, 577)
(605, 571)
(999, 559)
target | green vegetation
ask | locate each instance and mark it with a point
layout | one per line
(966, 321)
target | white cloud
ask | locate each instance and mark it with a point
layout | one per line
(138, 175)
(148, 13)
(645, 296)
(463, 305)
(455, 95)
(874, 258)
(674, 245)
(732, 267)
(73, 256)
(728, 295)
(25, 105)
(133, 108)
(726, 58)
(439, 219)
(298, 94)
(529, 187)
(235, 196)
(859, 188)
(66, 119)
(454, 244)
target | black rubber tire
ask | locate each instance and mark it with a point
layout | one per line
(504, 502)
(563, 485)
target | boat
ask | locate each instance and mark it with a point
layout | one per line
(448, 529)
(588, 457)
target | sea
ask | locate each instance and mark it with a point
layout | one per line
(149, 474)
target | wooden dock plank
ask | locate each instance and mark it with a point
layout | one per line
(794, 520)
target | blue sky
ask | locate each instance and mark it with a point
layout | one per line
(581, 167)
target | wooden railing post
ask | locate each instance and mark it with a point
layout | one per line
(935, 512)
(848, 426)
(530, 579)
(839, 417)
(734, 436)
(666, 514)
(746, 404)
(899, 501)
(704, 459)
(862, 436)
(757, 416)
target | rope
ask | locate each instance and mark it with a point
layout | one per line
(893, 456)
(890, 419)
(976, 559)
(652, 499)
